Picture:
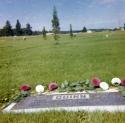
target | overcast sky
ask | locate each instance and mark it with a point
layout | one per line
(79, 13)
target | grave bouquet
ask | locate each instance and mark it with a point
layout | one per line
(67, 86)
(122, 87)
(25, 90)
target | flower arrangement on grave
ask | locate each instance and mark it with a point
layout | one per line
(75, 86)
(25, 90)
(52, 86)
(116, 81)
(95, 81)
(104, 85)
(68, 86)
(120, 83)
(39, 89)
(123, 82)
(25, 87)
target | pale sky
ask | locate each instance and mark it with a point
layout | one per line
(79, 13)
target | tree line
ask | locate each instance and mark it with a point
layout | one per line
(7, 30)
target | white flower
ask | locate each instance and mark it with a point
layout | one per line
(104, 86)
(39, 89)
(116, 81)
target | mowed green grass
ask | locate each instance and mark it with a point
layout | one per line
(64, 117)
(37, 61)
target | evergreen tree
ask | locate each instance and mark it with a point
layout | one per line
(55, 23)
(44, 32)
(70, 31)
(84, 29)
(124, 26)
(18, 30)
(0, 32)
(28, 30)
(7, 29)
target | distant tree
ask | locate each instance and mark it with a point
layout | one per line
(84, 29)
(7, 29)
(70, 31)
(55, 23)
(0, 32)
(18, 30)
(124, 26)
(28, 29)
(44, 32)
(115, 29)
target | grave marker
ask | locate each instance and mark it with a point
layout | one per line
(70, 96)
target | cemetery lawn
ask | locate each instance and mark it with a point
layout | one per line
(64, 117)
(37, 61)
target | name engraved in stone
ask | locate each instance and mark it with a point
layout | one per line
(70, 96)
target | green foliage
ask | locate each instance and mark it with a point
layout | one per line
(70, 31)
(84, 29)
(55, 23)
(28, 30)
(18, 30)
(65, 84)
(56, 37)
(25, 93)
(122, 90)
(75, 86)
(44, 33)
(15, 98)
(7, 29)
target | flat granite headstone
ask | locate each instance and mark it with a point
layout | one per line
(112, 101)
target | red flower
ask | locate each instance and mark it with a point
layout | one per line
(95, 82)
(52, 86)
(25, 87)
(123, 82)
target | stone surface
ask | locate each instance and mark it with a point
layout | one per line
(71, 100)
(70, 96)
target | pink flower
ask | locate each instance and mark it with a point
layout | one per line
(123, 82)
(25, 87)
(52, 86)
(95, 82)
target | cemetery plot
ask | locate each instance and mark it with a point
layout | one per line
(43, 102)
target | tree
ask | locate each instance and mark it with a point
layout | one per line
(28, 30)
(7, 29)
(84, 29)
(55, 23)
(44, 32)
(18, 30)
(124, 26)
(70, 31)
(0, 32)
